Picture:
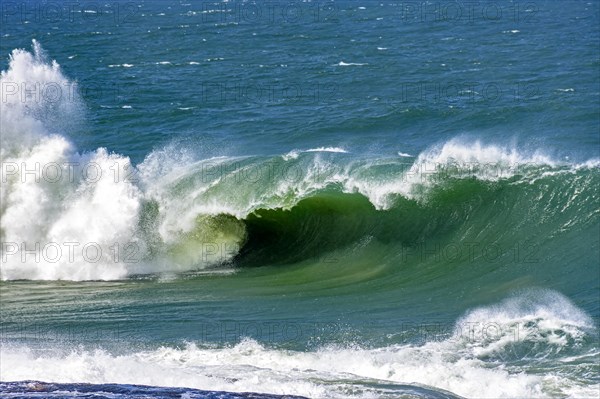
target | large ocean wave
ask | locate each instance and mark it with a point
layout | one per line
(71, 215)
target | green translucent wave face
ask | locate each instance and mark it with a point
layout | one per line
(461, 230)
(214, 239)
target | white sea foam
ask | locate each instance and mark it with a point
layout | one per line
(327, 149)
(462, 363)
(342, 63)
(291, 155)
(295, 153)
(77, 202)
(459, 158)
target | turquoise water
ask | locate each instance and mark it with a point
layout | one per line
(327, 199)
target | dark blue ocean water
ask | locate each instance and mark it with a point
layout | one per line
(321, 198)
